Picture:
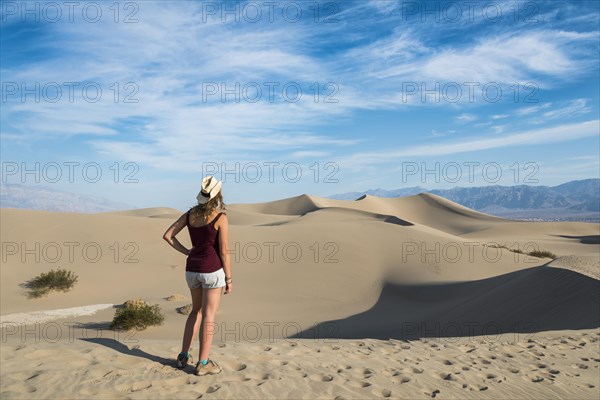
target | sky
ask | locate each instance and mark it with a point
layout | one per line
(137, 101)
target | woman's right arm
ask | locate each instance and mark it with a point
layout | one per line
(173, 230)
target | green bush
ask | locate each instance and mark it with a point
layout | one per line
(137, 315)
(542, 254)
(535, 253)
(60, 280)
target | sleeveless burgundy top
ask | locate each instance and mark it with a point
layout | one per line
(205, 254)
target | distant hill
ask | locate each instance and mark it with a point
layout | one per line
(572, 201)
(48, 199)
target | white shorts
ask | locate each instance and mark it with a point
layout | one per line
(207, 280)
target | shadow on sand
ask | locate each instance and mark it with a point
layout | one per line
(527, 301)
(133, 351)
(589, 239)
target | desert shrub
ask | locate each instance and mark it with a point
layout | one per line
(138, 315)
(60, 280)
(501, 246)
(542, 254)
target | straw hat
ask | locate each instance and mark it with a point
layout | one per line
(210, 188)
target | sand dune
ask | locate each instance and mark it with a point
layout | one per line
(153, 212)
(586, 265)
(380, 277)
(527, 301)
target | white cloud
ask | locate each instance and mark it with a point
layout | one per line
(506, 59)
(543, 112)
(310, 154)
(169, 53)
(466, 118)
(385, 7)
(532, 109)
(555, 134)
(574, 107)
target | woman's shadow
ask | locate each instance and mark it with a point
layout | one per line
(134, 351)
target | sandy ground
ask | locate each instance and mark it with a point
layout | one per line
(559, 366)
(402, 298)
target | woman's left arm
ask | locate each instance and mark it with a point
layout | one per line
(173, 230)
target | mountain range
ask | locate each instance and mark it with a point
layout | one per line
(14, 195)
(571, 201)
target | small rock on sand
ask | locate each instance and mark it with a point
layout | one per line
(185, 310)
(175, 297)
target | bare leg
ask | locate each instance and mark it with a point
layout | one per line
(211, 299)
(193, 320)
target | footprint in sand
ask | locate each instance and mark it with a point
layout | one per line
(358, 384)
(432, 393)
(487, 376)
(400, 378)
(136, 387)
(467, 348)
(447, 376)
(213, 388)
(367, 372)
(385, 393)
(579, 365)
(257, 376)
(271, 375)
(554, 371)
(413, 370)
(240, 367)
(321, 377)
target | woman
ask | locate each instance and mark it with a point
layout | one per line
(207, 269)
